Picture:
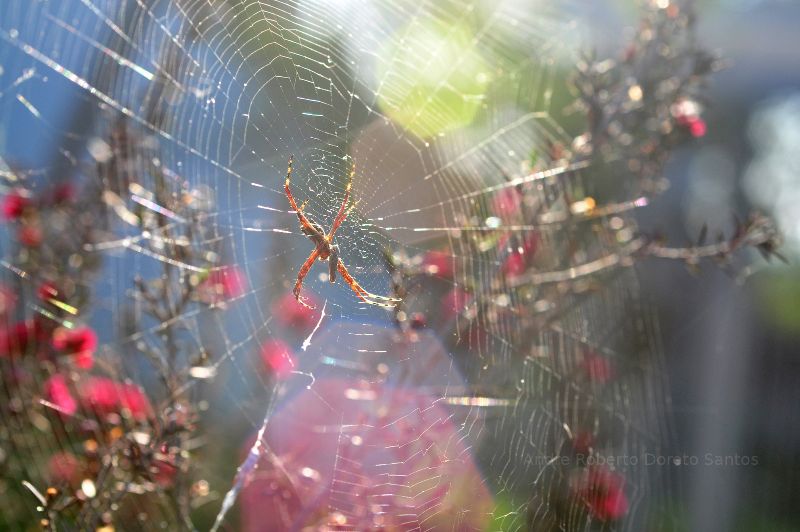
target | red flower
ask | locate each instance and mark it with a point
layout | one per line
(57, 391)
(513, 265)
(64, 192)
(277, 357)
(687, 115)
(520, 254)
(163, 471)
(47, 291)
(611, 506)
(15, 204)
(106, 396)
(30, 235)
(597, 367)
(226, 282)
(79, 343)
(417, 320)
(18, 339)
(64, 468)
(289, 313)
(438, 263)
(602, 491)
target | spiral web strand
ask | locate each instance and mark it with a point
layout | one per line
(224, 93)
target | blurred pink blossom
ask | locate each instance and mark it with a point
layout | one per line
(418, 320)
(8, 300)
(224, 283)
(507, 202)
(519, 256)
(56, 391)
(19, 338)
(438, 263)
(64, 192)
(64, 468)
(15, 204)
(597, 367)
(454, 302)
(355, 455)
(78, 343)
(290, 313)
(276, 355)
(687, 115)
(106, 396)
(30, 235)
(601, 490)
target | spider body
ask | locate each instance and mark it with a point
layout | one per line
(325, 249)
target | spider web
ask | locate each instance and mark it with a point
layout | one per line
(443, 107)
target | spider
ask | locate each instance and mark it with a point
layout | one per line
(326, 250)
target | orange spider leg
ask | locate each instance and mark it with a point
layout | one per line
(360, 292)
(302, 274)
(342, 212)
(363, 295)
(292, 202)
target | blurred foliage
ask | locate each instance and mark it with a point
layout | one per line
(779, 298)
(442, 95)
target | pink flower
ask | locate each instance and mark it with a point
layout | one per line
(597, 367)
(289, 313)
(15, 204)
(349, 479)
(79, 343)
(106, 396)
(64, 468)
(277, 357)
(698, 127)
(602, 492)
(226, 282)
(57, 391)
(438, 263)
(694, 124)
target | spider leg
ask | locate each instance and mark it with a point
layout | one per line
(363, 295)
(343, 210)
(301, 275)
(299, 210)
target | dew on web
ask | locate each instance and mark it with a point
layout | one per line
(521, 345)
